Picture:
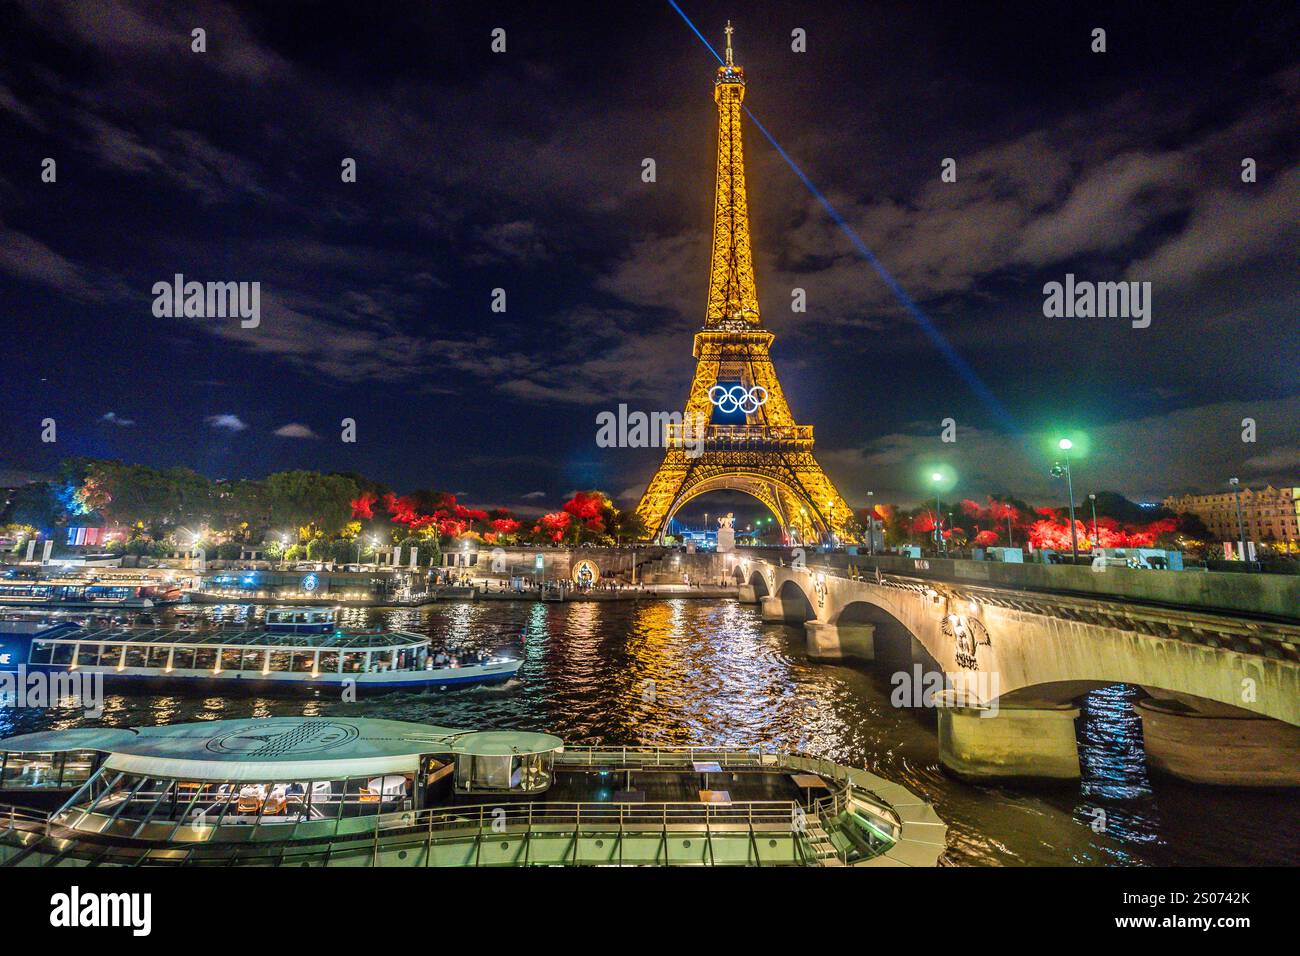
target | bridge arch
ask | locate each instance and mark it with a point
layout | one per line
(759, 584)
(796, 601)
(891, 640)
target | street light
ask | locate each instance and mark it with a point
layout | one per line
(1241, 527)
(871, 524)
(1092, 500)
(1057, 471)
(937, 477)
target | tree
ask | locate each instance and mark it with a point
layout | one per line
(36, 504)
(298, 499)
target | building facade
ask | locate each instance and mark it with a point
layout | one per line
(1268, 514)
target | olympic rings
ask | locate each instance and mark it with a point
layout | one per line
(737, 398)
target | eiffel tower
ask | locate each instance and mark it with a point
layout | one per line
(769, 456)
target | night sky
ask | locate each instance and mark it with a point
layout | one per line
(522, 171)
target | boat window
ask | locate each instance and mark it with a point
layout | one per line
(280, 661)
(253, 660)
(304, 662)
(365, 796)
(89, 654)
(182, 659)
(62, 654)
(528, 773)
(78, 765)
(329, 662)
(29, 772)
(111, 656)
(205, 658)
(134, 657)
(354, 662)
(41, 651)
(230, 658)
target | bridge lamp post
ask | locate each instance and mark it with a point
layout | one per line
(1092, 500)
(1241, 526)
(871, 523)
(1057, 471)
(937, 477)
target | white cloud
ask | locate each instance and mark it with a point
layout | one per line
(227, 421)
(532, 495)
(295, 430)
(113, 418)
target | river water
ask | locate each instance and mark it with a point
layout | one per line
(685, 672)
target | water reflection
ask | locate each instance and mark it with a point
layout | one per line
(687, 672)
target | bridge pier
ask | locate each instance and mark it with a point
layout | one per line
(1216, 746)
(833, 641)
(745, 594)
(987, 744)
(775, 609)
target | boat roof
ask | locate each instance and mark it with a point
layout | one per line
(247, 637)
(61, 741)
(504, 743)
(282, 748)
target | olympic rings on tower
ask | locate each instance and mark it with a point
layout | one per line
(738, 398)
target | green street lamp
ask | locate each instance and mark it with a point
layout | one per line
(937, 477)
(1057, 471)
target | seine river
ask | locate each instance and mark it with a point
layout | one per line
(721, 676)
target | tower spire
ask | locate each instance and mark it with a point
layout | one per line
(733, 298)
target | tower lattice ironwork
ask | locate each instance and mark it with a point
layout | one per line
(769, 456)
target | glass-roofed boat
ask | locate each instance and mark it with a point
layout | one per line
(342, 791)
(295, 649)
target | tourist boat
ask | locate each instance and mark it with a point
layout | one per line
(298, 649)
(78, 592)
(342, 791)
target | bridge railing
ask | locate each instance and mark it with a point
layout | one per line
(1264, 595)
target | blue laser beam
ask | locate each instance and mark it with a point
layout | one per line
(950, 355)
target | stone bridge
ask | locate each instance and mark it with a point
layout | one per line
(1006, 667)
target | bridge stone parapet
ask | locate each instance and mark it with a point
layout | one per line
(1269, 595)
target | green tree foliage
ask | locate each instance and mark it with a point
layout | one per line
(299, 499)
(37, 505)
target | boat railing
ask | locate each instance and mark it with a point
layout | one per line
(22, 818)
(755, 819)
(653, 756)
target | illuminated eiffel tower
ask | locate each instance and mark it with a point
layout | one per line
(769, 456)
